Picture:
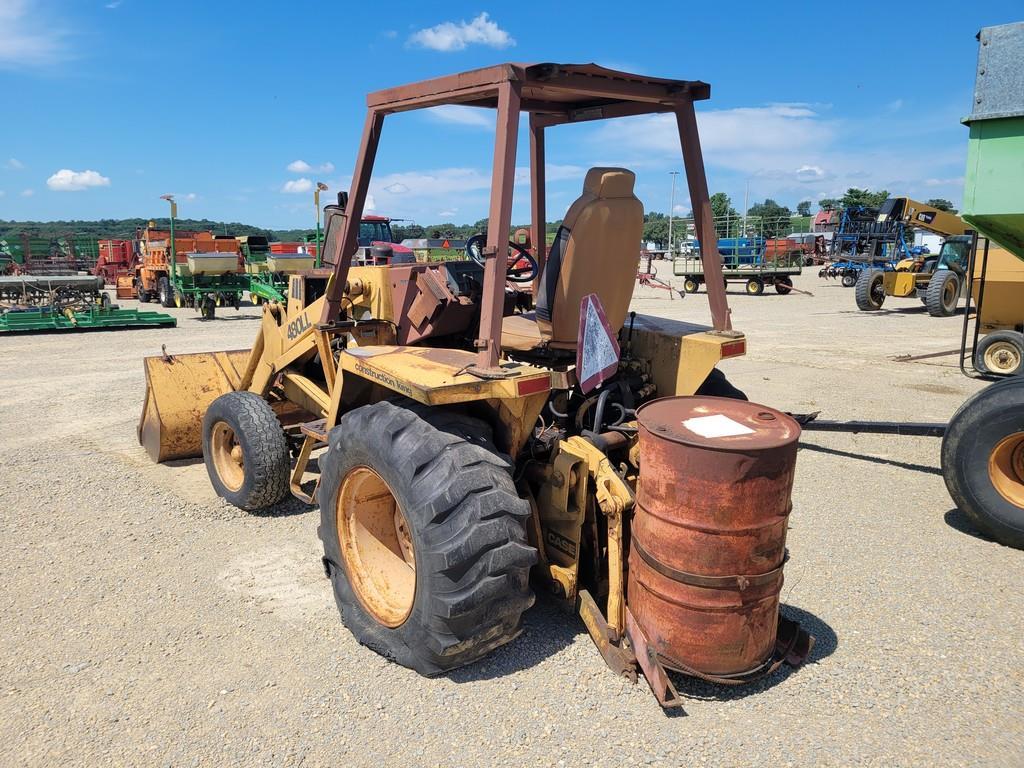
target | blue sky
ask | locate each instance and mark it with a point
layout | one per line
(239, 107)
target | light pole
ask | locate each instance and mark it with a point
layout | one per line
(320, 187)
(671, 209)
(172, 256)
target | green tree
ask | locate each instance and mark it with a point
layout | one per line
(942, 204)
(770, 219)
(803, 208)
(656, 228)
(864, 197)
(828, 204)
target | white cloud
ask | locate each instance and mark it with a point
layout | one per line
(301, 166)
(112, 5)
(2, 193)
(66, 180)
(14, 163)
(956, 181)
(808, 173)
(27, 39)
(398, 188)
(448, 214)
(27, 192)
(456, 113)
(456, 36)
(371, 204)
(297, 186)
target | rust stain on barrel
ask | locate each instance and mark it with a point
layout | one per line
(713, 502)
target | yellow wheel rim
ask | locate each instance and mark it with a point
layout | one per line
(1002, 357)
(1006, 468)
(376, 547)
(949, 291)
(227, 456)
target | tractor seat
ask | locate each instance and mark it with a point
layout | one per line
(596, 250)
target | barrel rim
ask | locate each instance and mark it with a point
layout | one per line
(766, 440)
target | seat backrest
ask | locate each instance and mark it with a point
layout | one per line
(596, 250)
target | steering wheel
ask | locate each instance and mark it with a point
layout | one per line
(521, 266)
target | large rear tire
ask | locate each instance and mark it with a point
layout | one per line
(983, 460)
(245, 451)
(434, 477)
(870, 290)
(943, 293)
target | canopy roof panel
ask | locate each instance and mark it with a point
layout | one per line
(562, 92)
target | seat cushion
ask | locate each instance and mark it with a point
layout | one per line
(520, 332)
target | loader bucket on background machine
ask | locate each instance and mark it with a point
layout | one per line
(179, 389)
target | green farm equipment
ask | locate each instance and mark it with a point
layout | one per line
(31, 303)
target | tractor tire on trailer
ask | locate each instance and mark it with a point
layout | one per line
(755, 286)
(870, 290)
(1000, 353)
(433, 572)
(690, 285)
(164, 292)
(983, 460)
(783, 285)
(943, 293)
(849, 280)
(245, 451)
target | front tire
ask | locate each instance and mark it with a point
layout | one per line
(690, 285)
(983, 460)
(755, 286)
(849, 280)
(439, 477)
(943, 293)
(245, 451)
(870, 290)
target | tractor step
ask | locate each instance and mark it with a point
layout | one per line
(315, 429)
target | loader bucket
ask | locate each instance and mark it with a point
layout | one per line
(179, 389)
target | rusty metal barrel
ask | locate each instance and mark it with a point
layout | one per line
(709, 531)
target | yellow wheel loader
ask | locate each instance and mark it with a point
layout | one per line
(454, 444)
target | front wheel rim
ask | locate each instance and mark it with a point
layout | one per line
(1006, 468)
(376, 547)
(228, 458)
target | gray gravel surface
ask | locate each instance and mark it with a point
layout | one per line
(145, 622)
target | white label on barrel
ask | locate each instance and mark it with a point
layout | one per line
(718, 425)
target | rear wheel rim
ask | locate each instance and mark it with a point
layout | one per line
(227, 456)
(1002, 357)
(1006, 468)
(878, 291)
(376, 547)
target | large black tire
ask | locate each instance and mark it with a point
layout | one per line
(980, 431)
(870, 290)
(943, 293)
(164, 292)
(783, 285)
(467, 527)
(1000, 353)
(255, 430)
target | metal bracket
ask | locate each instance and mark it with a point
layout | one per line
(662, 687)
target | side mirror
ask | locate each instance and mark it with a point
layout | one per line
(343, 200)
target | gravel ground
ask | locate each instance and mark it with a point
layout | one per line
(145, 622)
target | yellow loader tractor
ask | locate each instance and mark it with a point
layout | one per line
(938, 281)
(453, 444)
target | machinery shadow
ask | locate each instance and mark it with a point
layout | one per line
(873, 459)
(959, 521)
(825, 644)
(547, 629)
(228, 318)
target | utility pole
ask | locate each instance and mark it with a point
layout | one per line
(671, 209)
(746, 196)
